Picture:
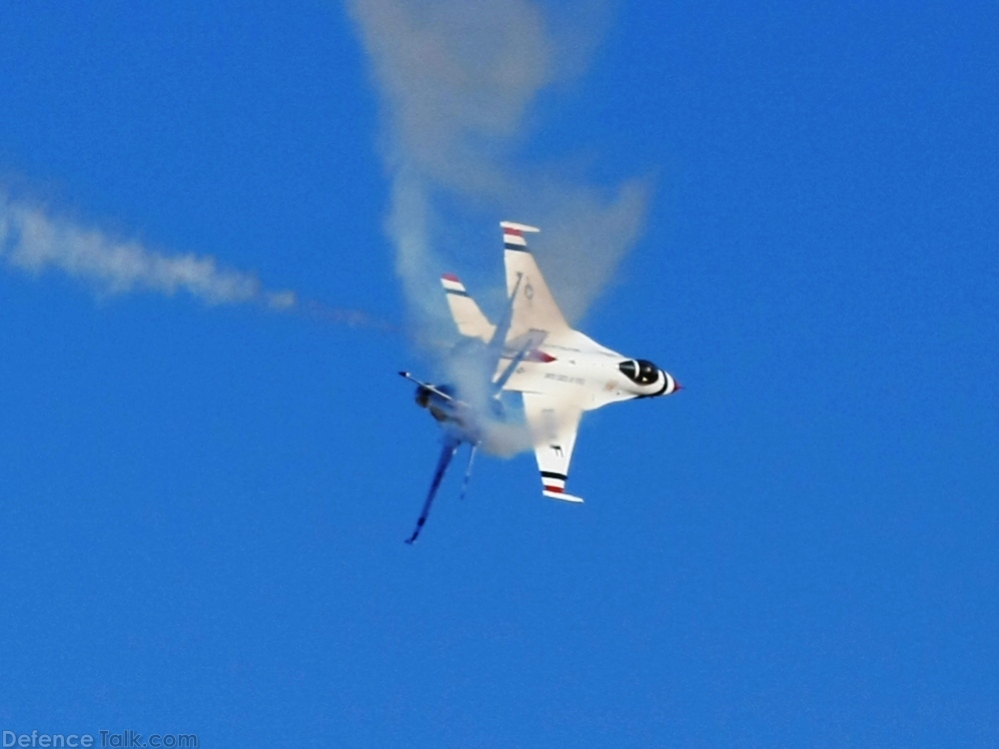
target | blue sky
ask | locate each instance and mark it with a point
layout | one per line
(203, 505)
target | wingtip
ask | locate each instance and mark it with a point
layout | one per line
(563, 497)
(519, 227)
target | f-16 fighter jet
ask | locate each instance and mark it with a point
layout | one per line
(559, 372)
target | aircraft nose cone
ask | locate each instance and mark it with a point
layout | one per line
(672, 385)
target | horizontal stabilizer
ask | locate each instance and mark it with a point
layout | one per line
(466, 313)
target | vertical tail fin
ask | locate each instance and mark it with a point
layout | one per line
(466, 313)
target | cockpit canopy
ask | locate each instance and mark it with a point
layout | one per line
(640, 371)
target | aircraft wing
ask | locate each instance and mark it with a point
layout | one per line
(534, 306)
(553, 425)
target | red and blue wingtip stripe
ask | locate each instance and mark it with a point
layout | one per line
(514, 240)
(513, 235)
(452, 285)
(553, 481)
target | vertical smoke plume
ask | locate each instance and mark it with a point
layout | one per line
(458, 79)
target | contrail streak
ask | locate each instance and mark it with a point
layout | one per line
(34, 241)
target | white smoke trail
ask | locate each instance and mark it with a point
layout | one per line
(35, 241)
(458, 80)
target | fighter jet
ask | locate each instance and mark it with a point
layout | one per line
(559, 373)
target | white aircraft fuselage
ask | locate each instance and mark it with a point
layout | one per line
(559, 372)
(589, 375)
